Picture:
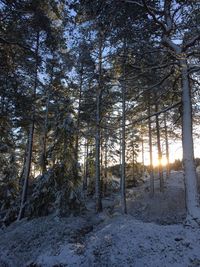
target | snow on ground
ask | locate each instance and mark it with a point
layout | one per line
(163, 208)
(109, 239)
(125, 241)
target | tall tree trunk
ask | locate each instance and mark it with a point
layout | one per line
(101, 163)
(192, 197)
(85, 182)
(97, 164)
(150, 153)
(123, 169)
(133, 164)
(78, 117)
(30, 137)
(166, 147)
(44, 149)
(98, 137)
(160, 171)
(106, 166)
(143, 167)
(120, 157)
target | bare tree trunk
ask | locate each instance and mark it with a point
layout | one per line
(30, 138)
(78, 117)
(101, 163)
(106, 164)
(123, 173)
(192, 197)
(44, 150)
(150, 153)
(97, 165)
(120, 157)
(167, 147)
(85, 182)
(98, 137)
(160, 171)
(143, 167)
(133, 164)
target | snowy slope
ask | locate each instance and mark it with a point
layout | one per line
(108, 239)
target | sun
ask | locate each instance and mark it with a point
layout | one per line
(156, 162)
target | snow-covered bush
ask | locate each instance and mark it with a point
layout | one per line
(55, 191)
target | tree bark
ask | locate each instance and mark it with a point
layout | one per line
(97, 137)
(85, 182)
(133, 164)
(192, 197)
(106, 165)
(160, 171)
(123, 156)
(150, 154)
(44, 150)
(97, 165)
(166, 147)
(78, 117)
(143, 167)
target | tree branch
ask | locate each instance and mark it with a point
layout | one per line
(8, 42)
(142, 5)
(172, 45)
(191, 42)
(155, 114)
(152, 14)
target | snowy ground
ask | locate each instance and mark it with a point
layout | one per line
(164, 208)
(152, 234)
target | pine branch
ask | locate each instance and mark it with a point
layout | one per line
(191, 42)
(155, 114)
(8, 42)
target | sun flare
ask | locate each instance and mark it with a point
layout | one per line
(163, 162)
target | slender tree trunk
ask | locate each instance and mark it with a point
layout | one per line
(150, 153)
(106, 165)
(101, 163)
(123, 170)
(30, 138)
(192, 197)
(123, 174)
(167, 147)
(120, 157)
(143, 167)
(97, 165)
(78, 117)
(160, 171)
(85, 182)
(133, 164)
(98, 137)
(44, 150)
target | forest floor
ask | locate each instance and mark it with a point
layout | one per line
(152, 234)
